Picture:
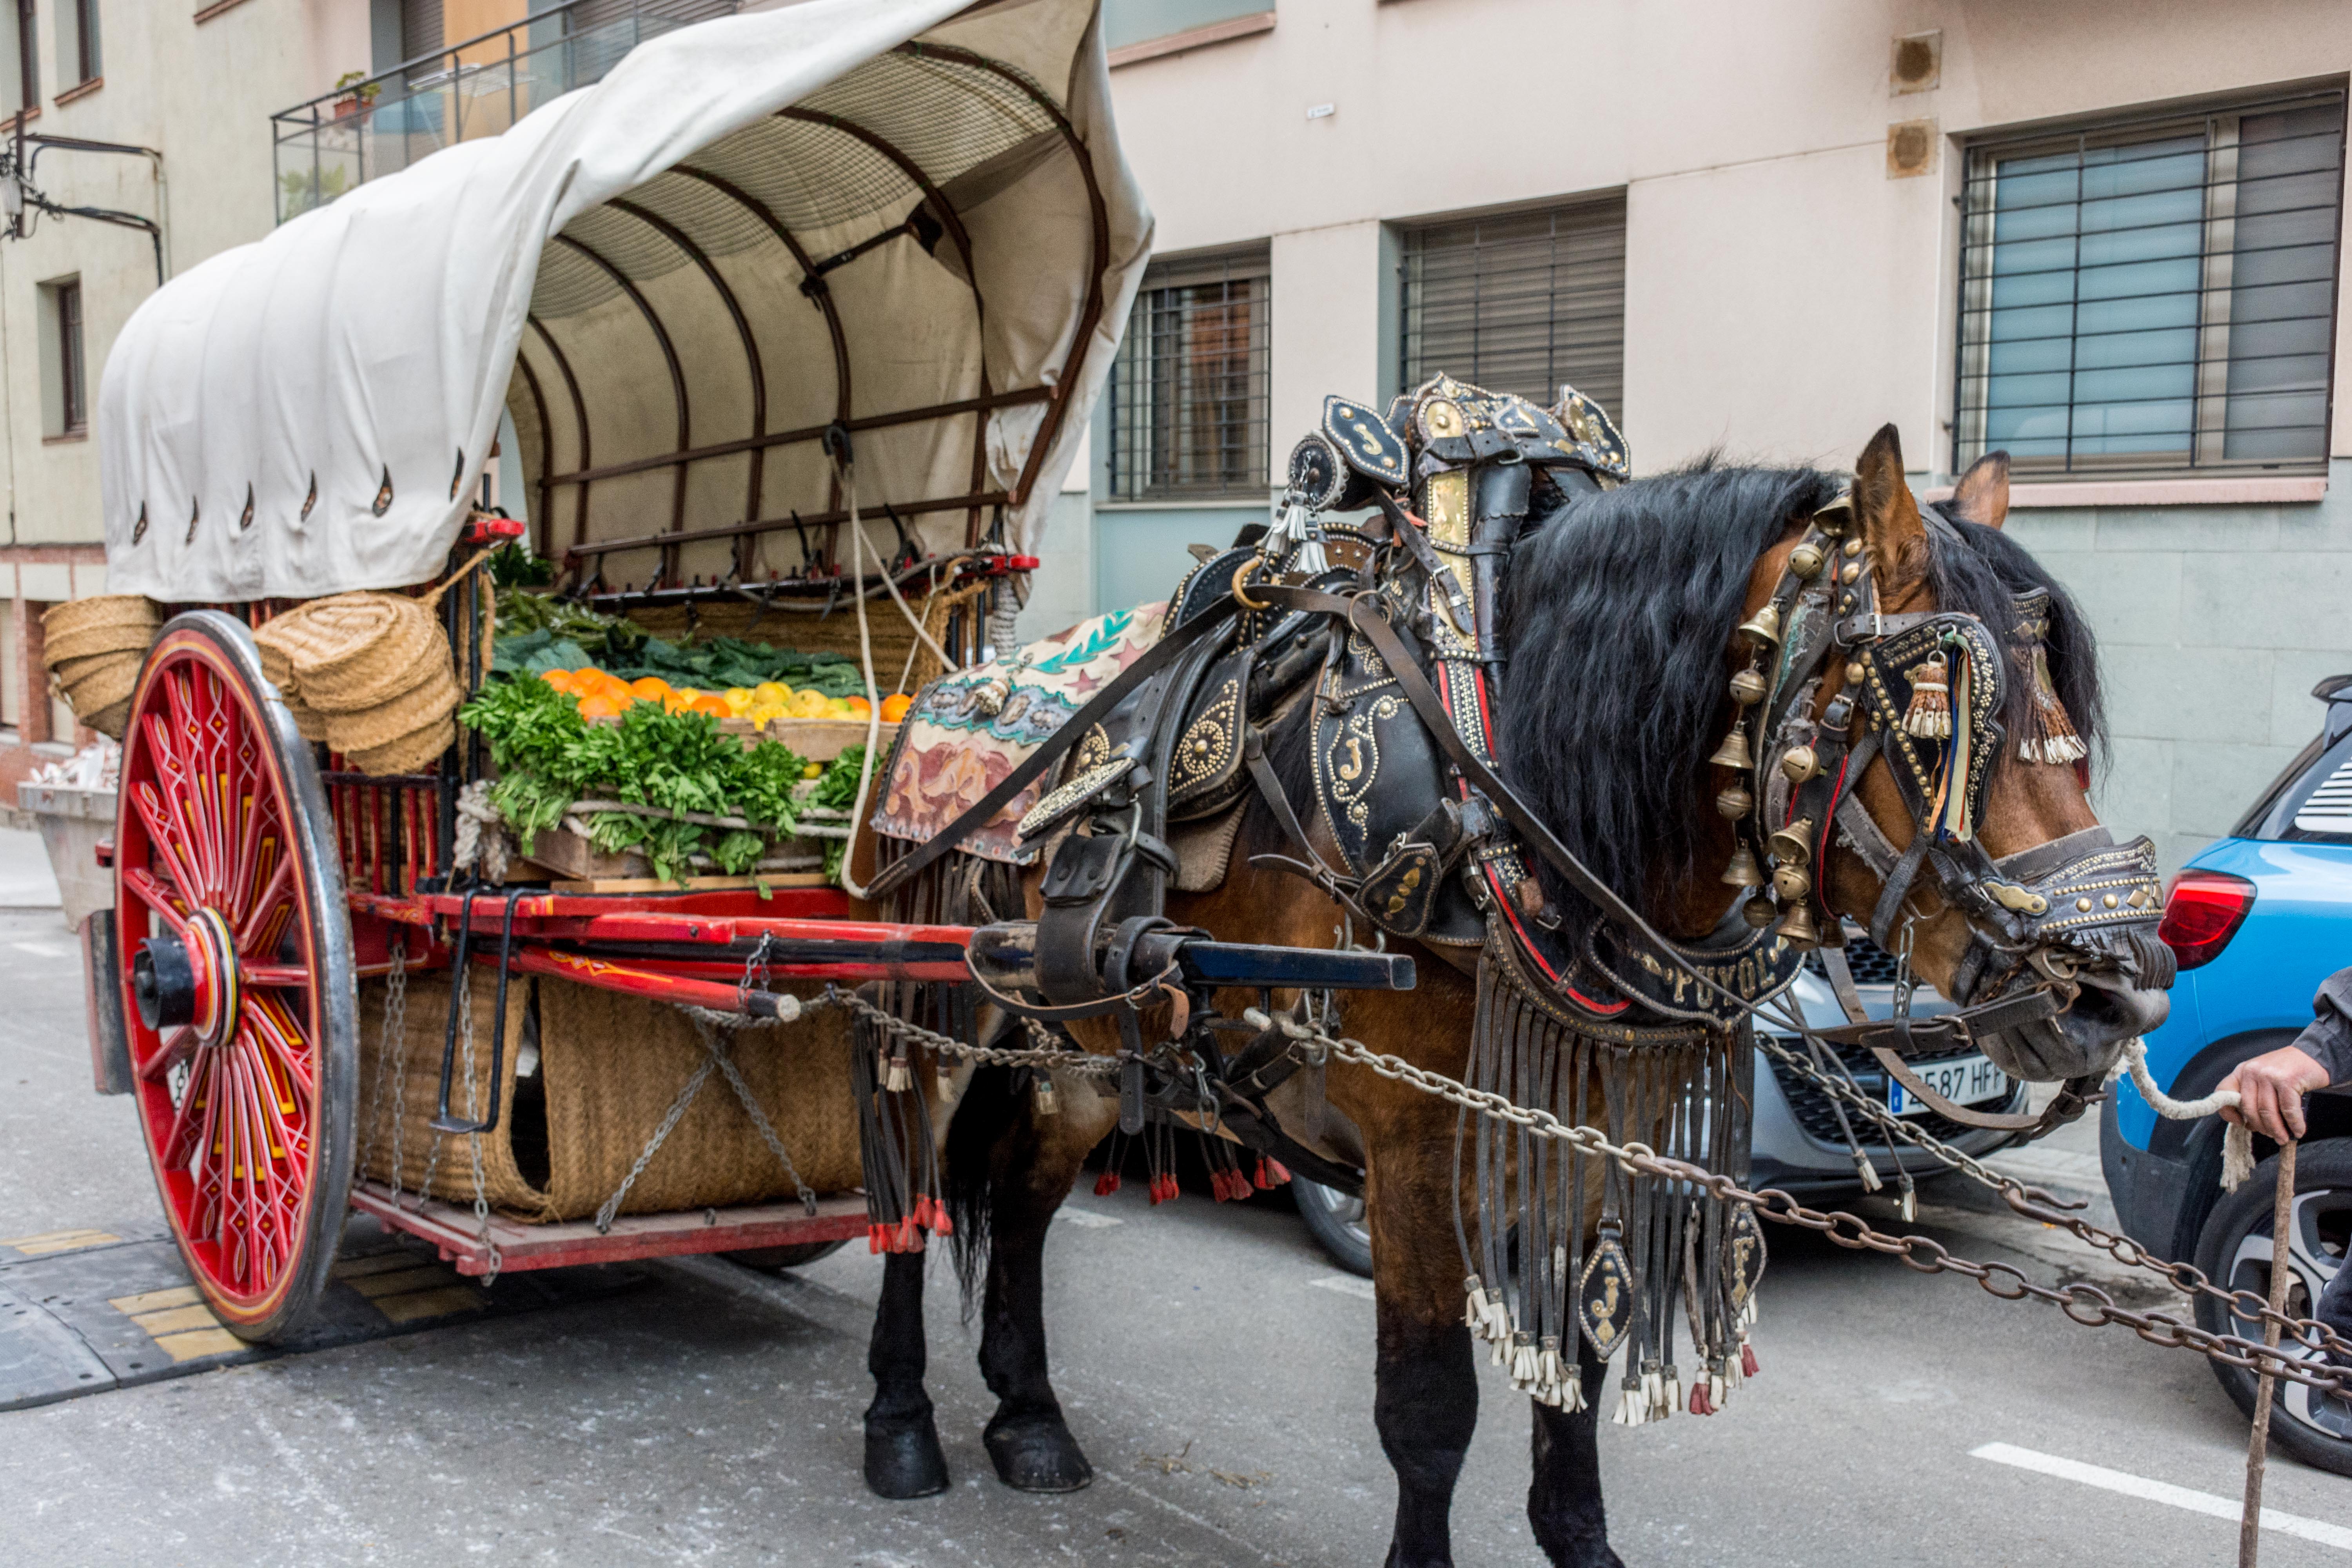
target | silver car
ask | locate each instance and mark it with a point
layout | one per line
(1799, 1146)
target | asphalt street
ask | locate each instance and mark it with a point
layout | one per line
(1217, 1368)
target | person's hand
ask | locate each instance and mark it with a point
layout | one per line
(2272, 1087)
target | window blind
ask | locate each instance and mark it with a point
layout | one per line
(2153, 296)
(1188, 393)
(1519, 301)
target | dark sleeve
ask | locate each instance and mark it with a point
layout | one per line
(2328, 1039)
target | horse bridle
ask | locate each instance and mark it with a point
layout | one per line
(1926, 690)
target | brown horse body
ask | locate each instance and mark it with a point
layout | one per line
(1426, 1399)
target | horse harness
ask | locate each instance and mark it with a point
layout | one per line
(1596, 1012)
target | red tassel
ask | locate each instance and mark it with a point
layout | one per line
(1106, 1183)
(1272, 1173)
(874, 1238)
(1748, 1359)
(1699, 1404)
(940, 1224)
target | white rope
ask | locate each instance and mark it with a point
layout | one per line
(481, 836)
(2237, 1142)
(848, 472)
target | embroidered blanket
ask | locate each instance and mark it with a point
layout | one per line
(970, 728)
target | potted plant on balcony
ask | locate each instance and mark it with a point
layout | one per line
(362, 94)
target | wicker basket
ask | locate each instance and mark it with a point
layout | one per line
(102, 624)
(608, 1069)
(95, 642)
(429, 701)
(110, 721)
(355, 652)
(93, 689)
(409, 753)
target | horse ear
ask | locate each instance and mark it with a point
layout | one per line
(1888, 513)
(1982, 494)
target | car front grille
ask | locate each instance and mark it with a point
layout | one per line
(1814, 1113)
(1871, 964)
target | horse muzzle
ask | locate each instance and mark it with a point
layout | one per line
(2079, 915)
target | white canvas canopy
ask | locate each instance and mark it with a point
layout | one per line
(649, 275)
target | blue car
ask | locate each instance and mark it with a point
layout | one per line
(2257, 921)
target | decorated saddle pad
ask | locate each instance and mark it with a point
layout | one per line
(970, 728)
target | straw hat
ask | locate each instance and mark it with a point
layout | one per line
(407, 753)
(110, 721)
(110, 682)
(357, 651)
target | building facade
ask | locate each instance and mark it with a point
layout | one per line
(2102, 236)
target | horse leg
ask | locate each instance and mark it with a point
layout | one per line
(1564, 1500)
(902, 1444)
(1027, 1439)
(1425, 1399)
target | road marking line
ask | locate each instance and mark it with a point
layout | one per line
(417, 1277)
(200, 1342)
(58, 1241)
(156, 1300)
(1085, 1219)
(175, 1319)
(2098, 1476)
(1346, 1285)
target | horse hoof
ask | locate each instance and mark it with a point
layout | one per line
(906, 1463)
(1037, 1454)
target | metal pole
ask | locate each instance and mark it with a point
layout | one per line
(2250, 1520)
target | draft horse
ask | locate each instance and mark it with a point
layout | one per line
(1628, 618)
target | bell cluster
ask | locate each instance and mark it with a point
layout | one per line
(1780, 890)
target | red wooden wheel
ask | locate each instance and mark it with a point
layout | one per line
(237, 976)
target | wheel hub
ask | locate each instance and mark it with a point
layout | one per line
(192, 982)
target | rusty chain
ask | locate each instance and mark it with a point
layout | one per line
(2036, 1204)
(2082, 1303)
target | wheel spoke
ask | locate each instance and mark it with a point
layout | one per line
(258, 928)
(273, 1028)
(196, 700)
(164, 901)
(287, 974)
(163, 839)
(193, 1120)
(177, 1045)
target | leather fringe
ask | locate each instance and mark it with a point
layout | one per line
(1537, 1275)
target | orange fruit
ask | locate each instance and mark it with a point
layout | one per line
(599, 707)
(714, 706)
(895, 706)
(649, 689)
(859, 705)
(559, 678)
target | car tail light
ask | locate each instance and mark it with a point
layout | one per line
(2203, 912)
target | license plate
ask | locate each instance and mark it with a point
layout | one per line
(1963, 1080)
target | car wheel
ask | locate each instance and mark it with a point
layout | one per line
(2235, 1251)
(1336, 1220)
(772, 1258)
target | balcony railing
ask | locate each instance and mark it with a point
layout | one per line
(337, 141)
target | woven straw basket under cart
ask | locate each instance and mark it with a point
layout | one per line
(589, 1076)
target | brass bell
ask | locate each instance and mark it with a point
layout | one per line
(1794, 844)
(1806, 560)
(1792, 883)
(1758, 911)
(1733, 752)
(1743, 871)
(1748, 688)
(1797, 926)
(1763, 628)
(1799, 763)
(1735, 802)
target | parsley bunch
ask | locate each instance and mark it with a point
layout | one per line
(547, 757)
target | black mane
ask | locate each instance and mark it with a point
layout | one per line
(1618, 614)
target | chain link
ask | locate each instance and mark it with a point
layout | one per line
(1044, 1057)
(2082, 1303)
(2036, 1204)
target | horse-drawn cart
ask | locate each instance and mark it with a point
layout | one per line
(774, 280)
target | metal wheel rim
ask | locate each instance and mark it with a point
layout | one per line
(1344, 1209)
(220, 828)
(2312, 1263)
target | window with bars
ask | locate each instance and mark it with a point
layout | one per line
(1519, 301)
(1188, 394)
(2152, 297)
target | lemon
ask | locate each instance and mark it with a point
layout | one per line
(738, 701)
(813, 771)
(768, 692)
